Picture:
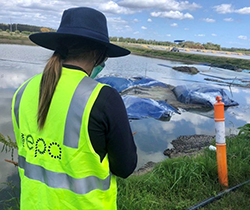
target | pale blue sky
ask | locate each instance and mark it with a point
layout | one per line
(222, 22)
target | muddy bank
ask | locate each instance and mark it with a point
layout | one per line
(185, 61)
(182, 146)
(23, 41)
(186, 69)
(187, 145)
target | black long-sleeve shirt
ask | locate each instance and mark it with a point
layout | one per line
(110, 132)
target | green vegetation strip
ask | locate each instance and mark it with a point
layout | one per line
(190, 58)
(183, 182)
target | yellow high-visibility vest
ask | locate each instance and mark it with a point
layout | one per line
(58, 166)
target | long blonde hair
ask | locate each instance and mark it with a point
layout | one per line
(87, 50)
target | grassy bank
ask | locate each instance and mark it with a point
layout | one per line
(183, 182)
(13, 38)
(190, 58)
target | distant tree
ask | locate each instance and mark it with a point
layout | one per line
(113, 39)
(4, 26)
(211, 46)
(133, 40)
(198, 46)
(186, 44)
(44, 29)
(121, 39)
(167, 43)
(26, 32)
(127, 39)
(141, 41)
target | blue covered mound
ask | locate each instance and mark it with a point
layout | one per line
(118, 83)
(121, 84)
(138, 108)
(147, 82)
(203, 95)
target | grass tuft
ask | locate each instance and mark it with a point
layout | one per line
(182, 182)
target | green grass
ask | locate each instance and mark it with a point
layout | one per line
(13, 38)
(183, 182)
(189, 58)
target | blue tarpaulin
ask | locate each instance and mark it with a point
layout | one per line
(203, 95)
(118, 83)
(121, 84)
(138, 108)
(147, 82)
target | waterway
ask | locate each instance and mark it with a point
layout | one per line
(18, 63)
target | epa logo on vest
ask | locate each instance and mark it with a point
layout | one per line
(39, 146)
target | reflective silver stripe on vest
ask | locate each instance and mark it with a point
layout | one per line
(62, 180)
(75, 112)
(17, 102)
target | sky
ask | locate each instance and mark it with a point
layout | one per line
(223, 22)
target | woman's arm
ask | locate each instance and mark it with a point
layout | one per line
(110, 132)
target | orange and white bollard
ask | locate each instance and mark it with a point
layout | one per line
(221, 152)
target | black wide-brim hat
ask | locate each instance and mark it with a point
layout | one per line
(80, 23)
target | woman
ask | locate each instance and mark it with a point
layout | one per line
(72, 132)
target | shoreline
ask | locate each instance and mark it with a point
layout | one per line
(139, 50)
(188, 145)
(29, 43)
(164, 58)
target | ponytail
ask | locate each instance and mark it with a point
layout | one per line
(70, 49)
(51, 75)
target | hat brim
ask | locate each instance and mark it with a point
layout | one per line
(52, 40)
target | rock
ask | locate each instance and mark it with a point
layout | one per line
(145, 169)
(186, 145)
(168, 152)
(187, 69)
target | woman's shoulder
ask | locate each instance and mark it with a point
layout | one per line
(107, 99)
(109, 93)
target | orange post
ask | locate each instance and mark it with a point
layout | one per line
(221, 152)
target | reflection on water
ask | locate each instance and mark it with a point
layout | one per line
(18, 63)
